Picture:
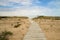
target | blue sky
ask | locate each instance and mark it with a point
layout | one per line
(30, 7)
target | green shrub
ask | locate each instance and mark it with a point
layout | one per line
(3, 17)
(4, 35)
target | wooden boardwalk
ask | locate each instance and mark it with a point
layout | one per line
(34, 32)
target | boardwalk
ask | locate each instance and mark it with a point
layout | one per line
(34, 32)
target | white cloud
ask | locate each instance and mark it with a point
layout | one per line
(27, 12)
(23, 2)
(4, 3)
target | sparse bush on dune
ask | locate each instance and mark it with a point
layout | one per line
(57, 18)
(4, 35)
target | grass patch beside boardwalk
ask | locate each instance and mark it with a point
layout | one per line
(50, 26)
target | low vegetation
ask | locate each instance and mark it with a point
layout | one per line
(17, 25)
(4, 35)
(48, 17)
(5, 17)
